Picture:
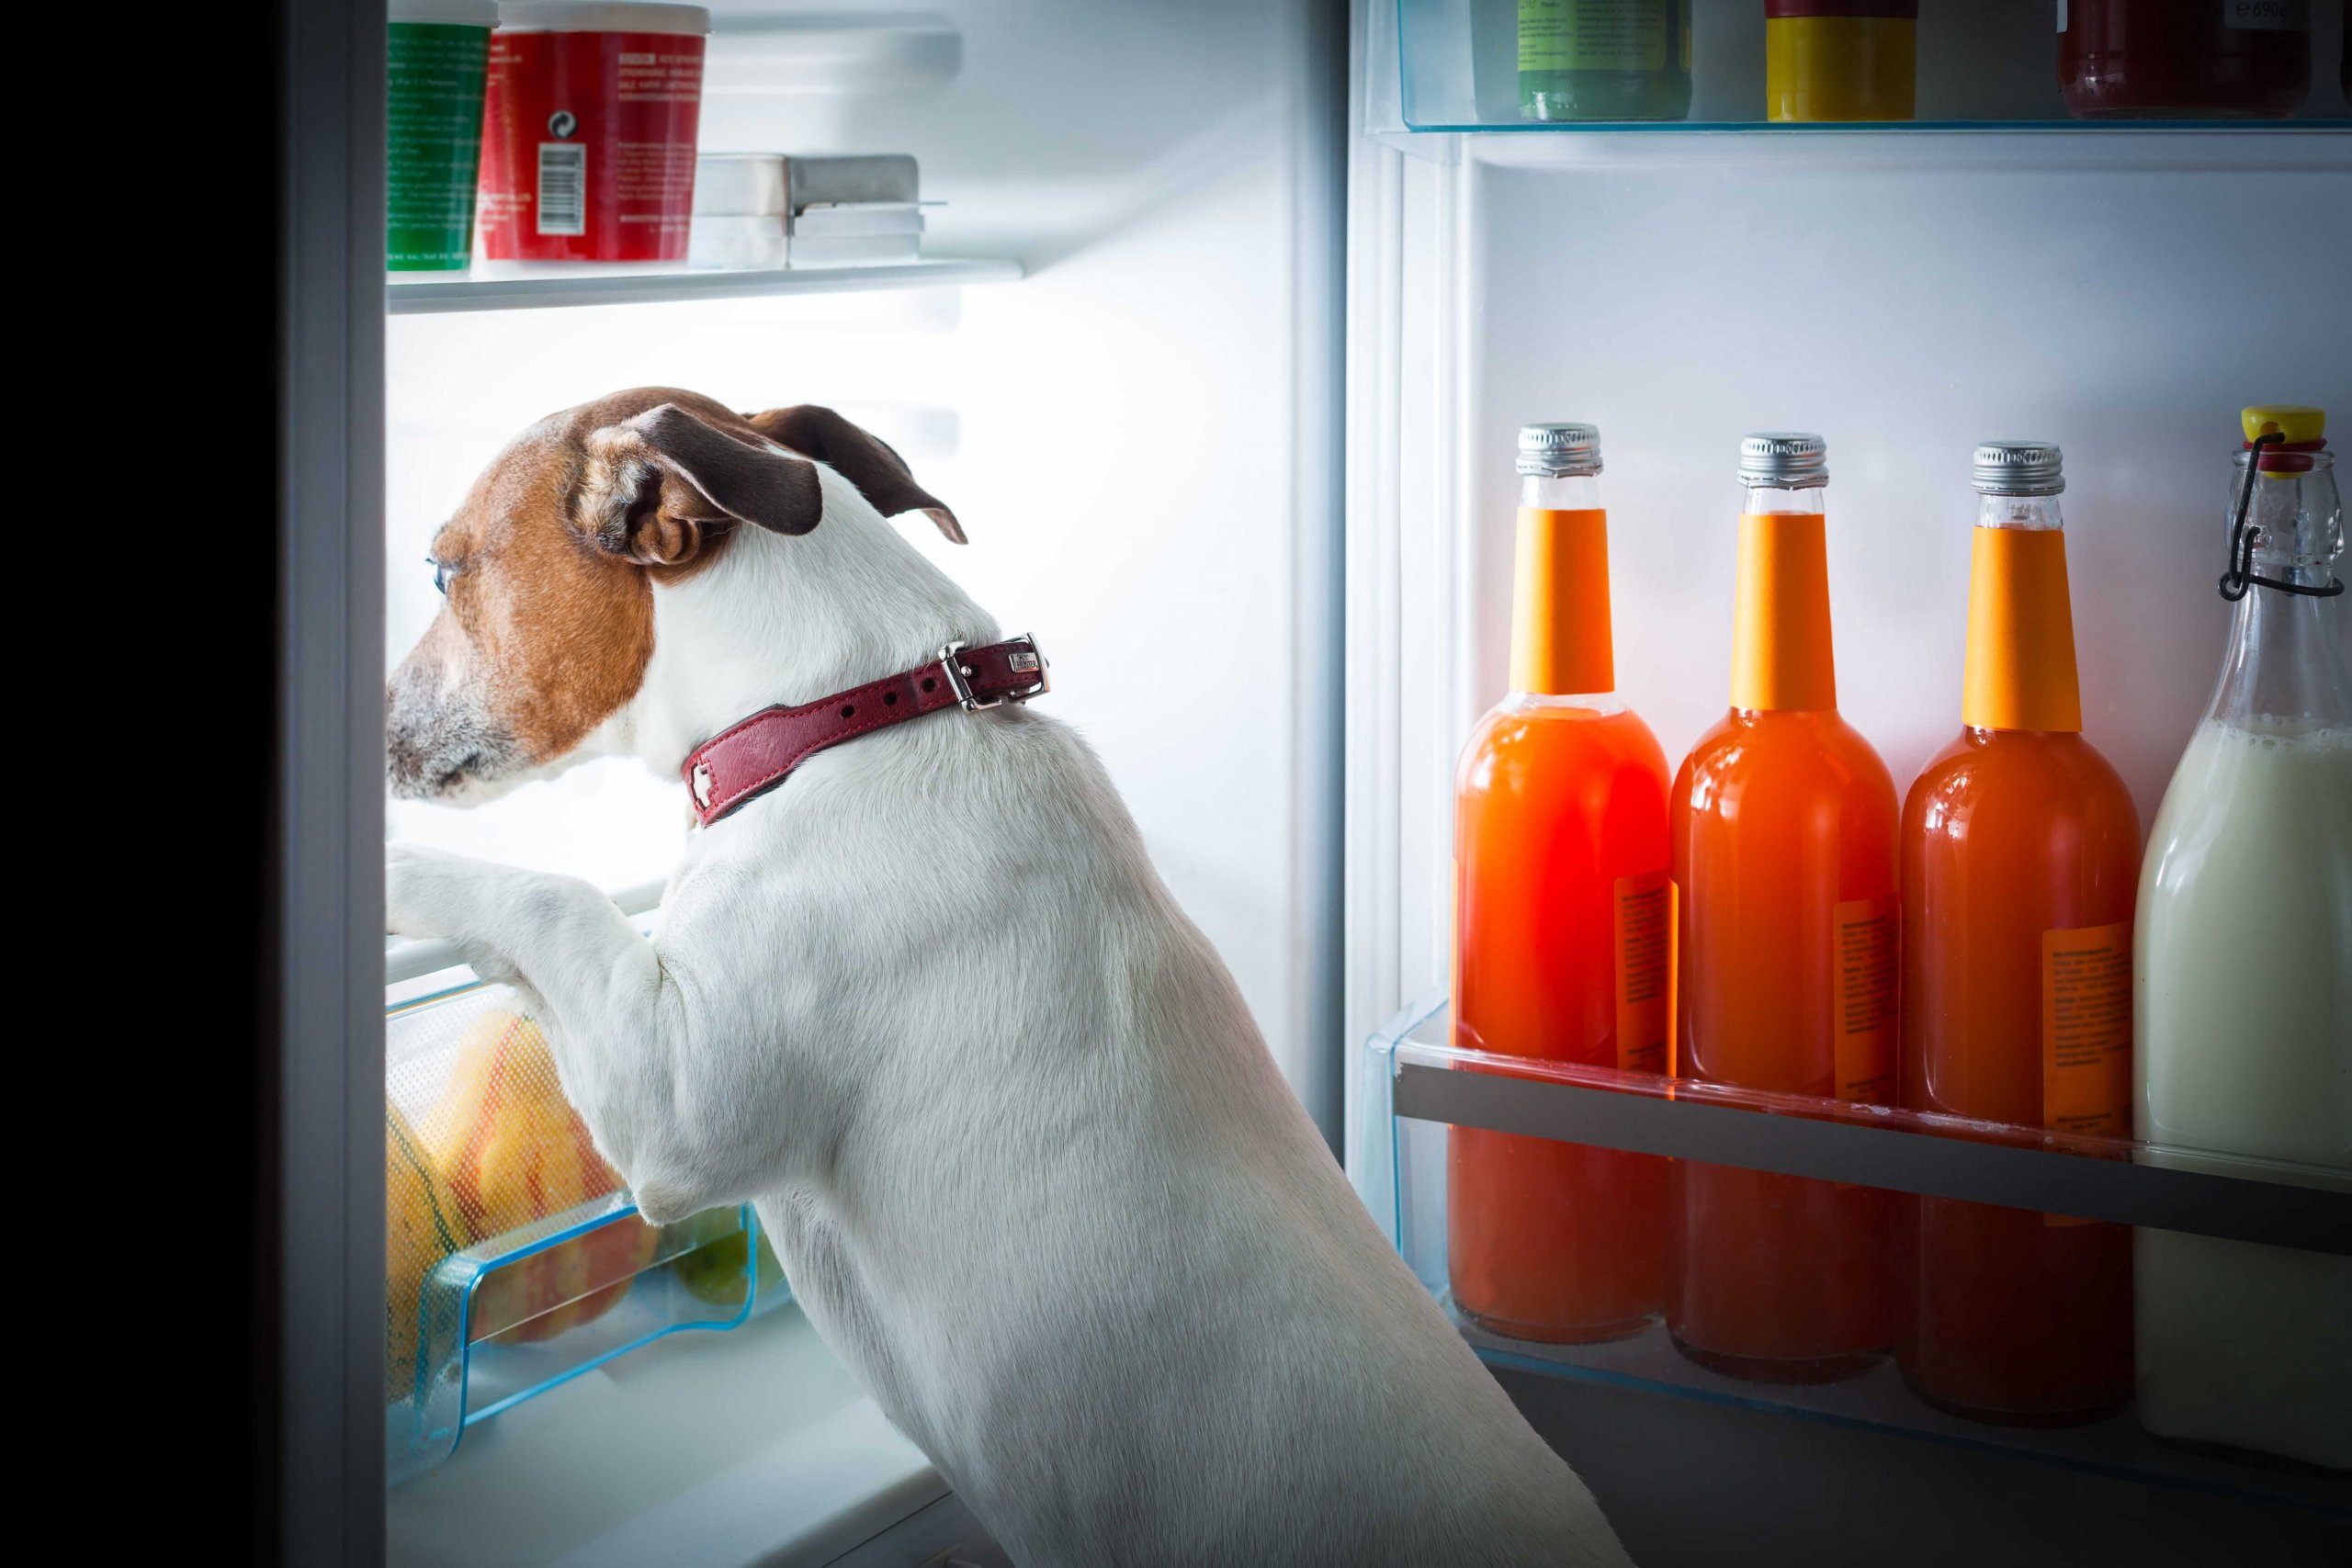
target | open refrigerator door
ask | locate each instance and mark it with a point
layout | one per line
(1997, 260)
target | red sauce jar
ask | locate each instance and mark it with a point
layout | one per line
(2184, 59)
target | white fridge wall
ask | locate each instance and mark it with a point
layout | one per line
(2123, 296)
(1138, 436)
(1903, 294)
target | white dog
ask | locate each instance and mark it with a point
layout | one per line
(1020, 1147)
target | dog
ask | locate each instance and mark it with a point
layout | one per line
(1028, 1164)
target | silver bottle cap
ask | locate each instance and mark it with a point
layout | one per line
(1784, 459)
(2018, 468)
(1559, 450)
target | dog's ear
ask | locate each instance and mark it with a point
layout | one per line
(660, 485)
(864, 460)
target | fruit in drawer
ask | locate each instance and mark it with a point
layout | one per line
(421, 1226)
(512, 1150)
(713, 1272)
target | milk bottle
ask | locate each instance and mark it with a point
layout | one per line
(2242, 970)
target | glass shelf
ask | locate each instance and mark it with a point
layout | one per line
(1421, 1104)
(522, 286)
(1452, 66)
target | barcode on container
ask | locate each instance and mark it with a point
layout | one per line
(563, 193)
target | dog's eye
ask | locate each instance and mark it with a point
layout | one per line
(441, 570)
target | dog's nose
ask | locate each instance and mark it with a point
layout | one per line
(403, 762)
(411, 742)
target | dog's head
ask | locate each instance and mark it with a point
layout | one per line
(550, 565)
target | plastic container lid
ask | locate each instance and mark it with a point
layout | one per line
(2297, 422)
(447, 13)
(600, 16)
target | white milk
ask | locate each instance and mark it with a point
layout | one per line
(2243, 1002)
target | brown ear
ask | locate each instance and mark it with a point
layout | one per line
(660, 484)
(864, 460)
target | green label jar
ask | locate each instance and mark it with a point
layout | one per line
(1604, 59)
(435, 66)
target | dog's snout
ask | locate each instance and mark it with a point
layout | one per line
(438, 738)
(413, 764)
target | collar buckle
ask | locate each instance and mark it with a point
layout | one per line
(1022, 656)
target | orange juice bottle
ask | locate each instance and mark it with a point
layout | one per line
(1563, 945)
(2020, 864)
(1784, 835)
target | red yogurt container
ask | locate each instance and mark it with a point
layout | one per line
(588, 133)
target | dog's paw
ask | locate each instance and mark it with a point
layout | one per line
(425, 890)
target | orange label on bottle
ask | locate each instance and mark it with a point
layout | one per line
(1559, 630)
(1867, 966)
(1644, 907)
(2087, 1030)
(2086, 1034)
(2021, 668)
(1780, 626)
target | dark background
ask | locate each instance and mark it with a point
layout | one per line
(147, 463)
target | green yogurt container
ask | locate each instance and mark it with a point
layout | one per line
(438, 59)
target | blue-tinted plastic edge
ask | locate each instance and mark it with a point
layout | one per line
(467, 1417)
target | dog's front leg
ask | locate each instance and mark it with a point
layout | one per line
(555, 937)
(612, 1014)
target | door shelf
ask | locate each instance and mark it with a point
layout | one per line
(1419, 1100)
(526, 287)
(1438, 66)
(2234, 127)
(1880, 1401)
(488, 1302)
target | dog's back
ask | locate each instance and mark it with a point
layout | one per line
(1083, 1244)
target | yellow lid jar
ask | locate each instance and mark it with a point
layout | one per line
(1840, 59)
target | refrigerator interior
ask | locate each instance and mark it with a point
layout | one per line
(1139, 435)
(1134, 413)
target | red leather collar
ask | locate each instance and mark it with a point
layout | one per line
(759, 753)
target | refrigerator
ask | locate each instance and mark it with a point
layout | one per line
(1229, 316)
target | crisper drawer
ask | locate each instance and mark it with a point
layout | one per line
(514, 1258)
(2160, 1314)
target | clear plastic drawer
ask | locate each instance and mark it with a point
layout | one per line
(514, 1258)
